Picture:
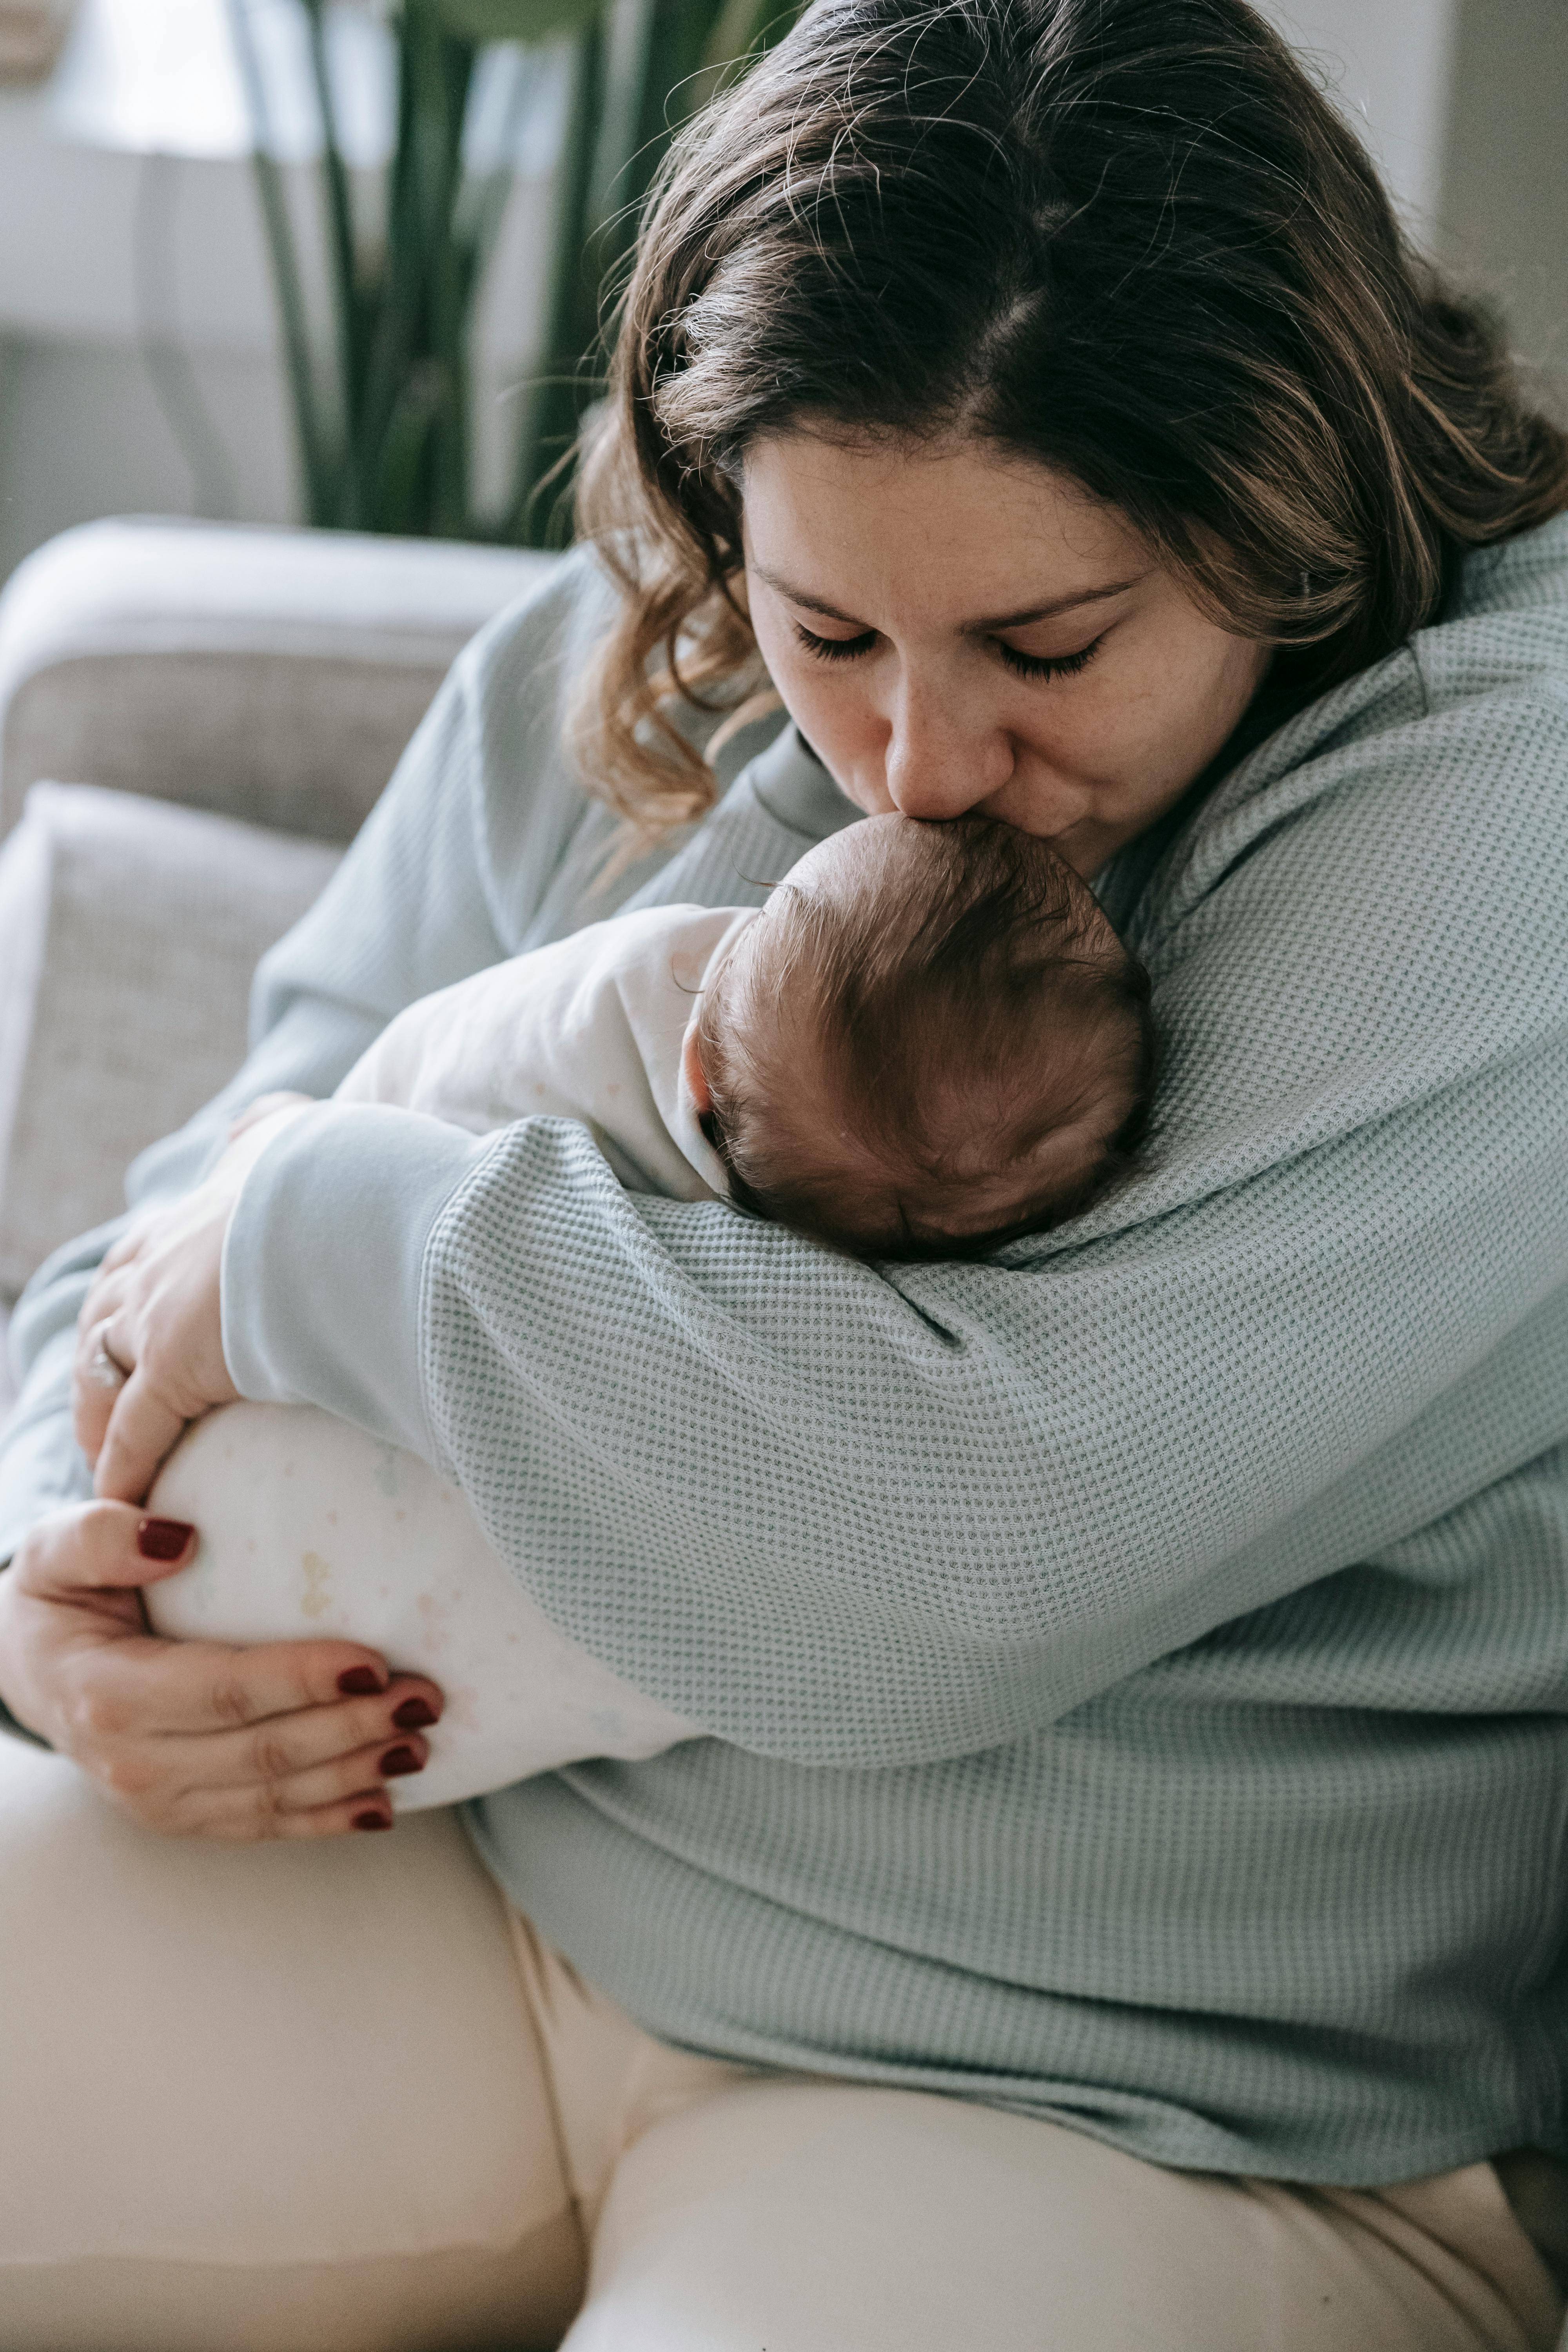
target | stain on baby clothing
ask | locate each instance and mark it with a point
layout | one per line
(317, 1598)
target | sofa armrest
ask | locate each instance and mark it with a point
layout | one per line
(264, 674)
(128, 933)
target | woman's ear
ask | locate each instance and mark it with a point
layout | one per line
(696, 1076)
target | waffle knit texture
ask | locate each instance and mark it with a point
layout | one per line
(1136, 1664)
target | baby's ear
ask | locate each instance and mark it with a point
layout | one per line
(696, 1076)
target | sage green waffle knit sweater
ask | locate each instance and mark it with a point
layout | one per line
(1137, 1665)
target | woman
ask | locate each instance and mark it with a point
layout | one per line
(1121, 1900)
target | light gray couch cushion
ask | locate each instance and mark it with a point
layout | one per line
(273, 675)
(129, 932)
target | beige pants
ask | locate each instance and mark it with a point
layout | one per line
(337, 2097)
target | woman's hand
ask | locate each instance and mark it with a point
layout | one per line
(196, 1739)
(149, 1352)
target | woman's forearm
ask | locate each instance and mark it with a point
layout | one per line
(336, 1320)
(846, 1517)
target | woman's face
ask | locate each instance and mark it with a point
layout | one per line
(952, 629)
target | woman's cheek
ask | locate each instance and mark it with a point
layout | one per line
(849, 742)
(829, 710)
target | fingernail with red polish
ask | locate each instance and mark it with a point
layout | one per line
(373, 1820)
(162, 1539)
(359, 1682)
(415, 1714)
(399, 1761)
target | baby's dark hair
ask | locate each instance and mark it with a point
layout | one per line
(931, 1043)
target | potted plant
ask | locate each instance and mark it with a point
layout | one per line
(383, 415)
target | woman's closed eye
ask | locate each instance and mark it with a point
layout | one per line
(834, 648)
(1049, 665)
(1022, 665)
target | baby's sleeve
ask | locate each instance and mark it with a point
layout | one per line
(390, 1070)
(588, 1028)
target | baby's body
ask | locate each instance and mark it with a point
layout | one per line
(309, 1526)
(687, 1039)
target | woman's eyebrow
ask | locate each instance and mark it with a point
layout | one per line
(1047, 612)
(1044, 611)
(798, 596)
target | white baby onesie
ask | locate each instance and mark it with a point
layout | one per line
(310, 1525)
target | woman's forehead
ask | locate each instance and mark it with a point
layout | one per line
(956, 531)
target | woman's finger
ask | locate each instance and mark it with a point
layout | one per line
(263, 1766)
(160, 1311)
(284, 1748)
(245, 1817)
(101, 1546)
(142, 1427)
(98, 1371)
(111, 1280)
(118, 1252)
(171, 1689)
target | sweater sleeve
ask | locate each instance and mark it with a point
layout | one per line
(880, 1515)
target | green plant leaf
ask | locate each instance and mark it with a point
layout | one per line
(382, 413)
(509, 20)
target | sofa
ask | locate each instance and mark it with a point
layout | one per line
(194, 720)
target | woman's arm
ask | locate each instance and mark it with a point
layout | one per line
(873, 1517)
(413, 906)
(41, 1466)
(411, 909)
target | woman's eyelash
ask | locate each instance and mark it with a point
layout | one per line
(1022, 665)
(834, 648)
(1049, 665)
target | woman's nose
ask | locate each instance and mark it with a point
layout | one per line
(937, 768)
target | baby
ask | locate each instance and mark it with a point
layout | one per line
(928, 1042)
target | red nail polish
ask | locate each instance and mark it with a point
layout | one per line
(397, 1761)
(162, 1539)
(373, 1821)
(359, 1682)
(415, 1714)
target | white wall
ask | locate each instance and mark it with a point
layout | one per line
(1503, 213)
(1387, 62)
(121, 272)
(100, 256)
(1465, 105)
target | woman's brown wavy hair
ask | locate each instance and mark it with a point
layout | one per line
(1126, 238)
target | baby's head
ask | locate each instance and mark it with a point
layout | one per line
(928, 1042)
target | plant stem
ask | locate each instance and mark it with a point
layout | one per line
(551, 403)
(316, 465)
(345, 273)
(413, 418)
(446, 307)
